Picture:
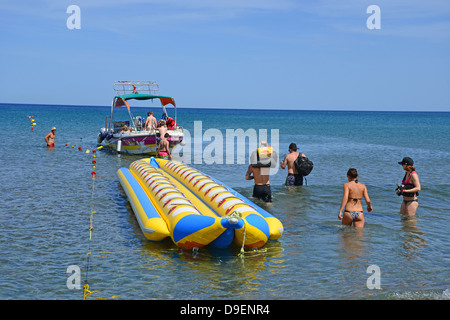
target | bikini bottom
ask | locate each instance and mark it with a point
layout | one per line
(354, 214)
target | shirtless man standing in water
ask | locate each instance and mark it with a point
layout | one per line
(354, 191)
(293, 178)
(261, 189)
(50, 138)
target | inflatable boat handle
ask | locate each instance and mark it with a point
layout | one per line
(233, 223)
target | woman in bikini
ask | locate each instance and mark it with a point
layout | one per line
(410, 188)
(354, 191)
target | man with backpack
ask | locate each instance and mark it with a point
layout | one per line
(298, 166)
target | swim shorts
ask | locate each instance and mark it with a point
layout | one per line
(163, 155)
(51, 145)
(294, 179)
(262, 192)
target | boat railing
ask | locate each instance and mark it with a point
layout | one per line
(121, 126)
(136, 86)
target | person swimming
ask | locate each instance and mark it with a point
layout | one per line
(354, 191)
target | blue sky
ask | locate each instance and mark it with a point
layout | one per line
(284, 54)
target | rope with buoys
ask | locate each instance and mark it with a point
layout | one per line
(33, 122)
(73, 142)
(86, 291)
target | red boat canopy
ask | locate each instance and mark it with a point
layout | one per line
(122, 99)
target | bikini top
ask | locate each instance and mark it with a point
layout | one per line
(409, 185)
(355, 200)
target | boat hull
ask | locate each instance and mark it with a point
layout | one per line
(138, 143)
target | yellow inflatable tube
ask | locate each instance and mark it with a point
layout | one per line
(151, 223)
(256, 231)
(187, 226)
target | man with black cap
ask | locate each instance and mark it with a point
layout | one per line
(409, 188)
(293, 178)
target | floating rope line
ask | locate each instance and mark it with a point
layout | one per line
(86, 292)
(33, 122)
(72, 142)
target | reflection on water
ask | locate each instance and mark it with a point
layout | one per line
(413, 238)
(212, 273)
(353, 250)
(352, 243)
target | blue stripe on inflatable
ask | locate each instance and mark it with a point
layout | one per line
(191, 224)
(154, 163)
(258, 222)
(224, 240)
(145, 202)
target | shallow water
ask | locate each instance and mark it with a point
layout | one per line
(48, 197)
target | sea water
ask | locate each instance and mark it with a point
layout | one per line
(48, 196)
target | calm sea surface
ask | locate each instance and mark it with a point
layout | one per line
(47, 197)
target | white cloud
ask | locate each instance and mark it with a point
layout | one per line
(402, 18)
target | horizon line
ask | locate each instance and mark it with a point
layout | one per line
(231, 108)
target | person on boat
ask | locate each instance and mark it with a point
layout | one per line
(162, 128)
(125, 128)
(260, 174)
(150, 122)
(293, 178)
(410, 188)
(50, 138)
(163, 150)
(170, 123)
(354, 191)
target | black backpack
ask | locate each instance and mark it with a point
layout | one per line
(303, 165)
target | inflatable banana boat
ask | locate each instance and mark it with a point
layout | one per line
(171, 199)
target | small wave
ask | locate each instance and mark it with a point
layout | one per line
(421, 295)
